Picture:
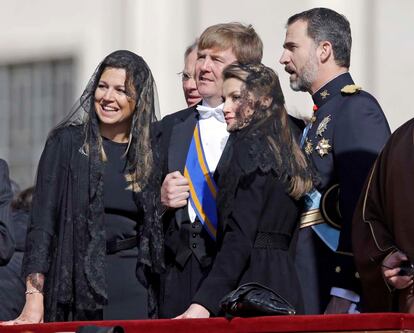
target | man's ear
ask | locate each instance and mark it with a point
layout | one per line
(325, 51)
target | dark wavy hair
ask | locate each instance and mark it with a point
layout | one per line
(271, 117)
(141, 172)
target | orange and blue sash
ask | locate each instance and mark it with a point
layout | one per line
(203, 189)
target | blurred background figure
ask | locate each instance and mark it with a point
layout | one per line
(6, 195)
(12, 284)
(191, 93)
(383, 228)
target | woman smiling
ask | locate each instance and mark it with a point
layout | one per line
(94, 217)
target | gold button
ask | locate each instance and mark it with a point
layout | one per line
(338, 269)
(357, 275)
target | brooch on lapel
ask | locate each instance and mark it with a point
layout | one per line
(323, 147)
(308, 147)
(324, 94)
(323, 125)
(350, 89)
(132, 183)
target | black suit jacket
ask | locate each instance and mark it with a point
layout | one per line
(176, 134)
(175, 138)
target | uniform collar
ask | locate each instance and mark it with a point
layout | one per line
(331, 89)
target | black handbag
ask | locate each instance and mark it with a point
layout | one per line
(252, 300)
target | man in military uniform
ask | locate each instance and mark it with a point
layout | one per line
(343, 138)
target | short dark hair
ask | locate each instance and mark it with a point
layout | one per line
(326, 24)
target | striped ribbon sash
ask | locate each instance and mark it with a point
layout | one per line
(203, 189)
(312, 216)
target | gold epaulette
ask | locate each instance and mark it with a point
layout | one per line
(351, 89)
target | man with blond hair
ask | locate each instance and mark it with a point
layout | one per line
(192, 142)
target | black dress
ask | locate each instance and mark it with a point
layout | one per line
(127, 298)
(257, 222)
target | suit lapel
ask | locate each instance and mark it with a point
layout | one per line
(181, 136)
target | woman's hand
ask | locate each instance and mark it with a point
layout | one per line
(32, 312)
(194, 311)
(391, 268)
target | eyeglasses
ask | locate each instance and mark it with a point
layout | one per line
(185, 76)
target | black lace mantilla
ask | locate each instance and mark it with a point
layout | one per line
(72, 245)
(248, 151)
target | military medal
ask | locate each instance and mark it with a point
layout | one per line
(308, 147)
(323, 125)
(323, 147)
(132, 184)
(324, 94)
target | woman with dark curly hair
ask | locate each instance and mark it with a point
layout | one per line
(94, 227)
(261, 182)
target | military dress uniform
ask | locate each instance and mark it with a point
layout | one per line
(347, 131)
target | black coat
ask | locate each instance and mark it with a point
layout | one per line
(257, 221)
(63, 242)
(60, 211)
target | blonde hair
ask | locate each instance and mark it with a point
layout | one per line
(242, 39)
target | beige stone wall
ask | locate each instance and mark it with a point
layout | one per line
(159, 30)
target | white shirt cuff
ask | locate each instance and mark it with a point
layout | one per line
(345, 293)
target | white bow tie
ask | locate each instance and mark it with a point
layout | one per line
(207, 112)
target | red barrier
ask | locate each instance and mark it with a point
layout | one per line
(390, 322)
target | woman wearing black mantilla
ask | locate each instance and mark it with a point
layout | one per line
(94, 227)
(260, 186)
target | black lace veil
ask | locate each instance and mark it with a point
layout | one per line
(141, 170)
(263, 139)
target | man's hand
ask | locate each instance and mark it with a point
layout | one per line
(175, 190)
(194, 311)
(391, 268)
(338, 305)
